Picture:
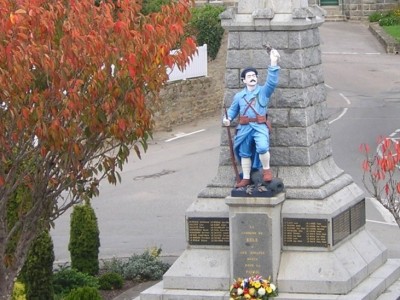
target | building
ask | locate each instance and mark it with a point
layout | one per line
(337, 10)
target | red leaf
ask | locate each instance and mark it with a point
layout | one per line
(132, 59)
(149, 27)
(122, 124)
(364, 148)
(25, 112)
(118, 26)
(365, 165)
(132, 71)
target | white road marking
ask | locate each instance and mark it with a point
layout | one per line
(340, 116)
(352, 53)
(344, 109)
(181, 135)
(345, 98)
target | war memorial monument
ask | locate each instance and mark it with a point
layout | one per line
(310, 237)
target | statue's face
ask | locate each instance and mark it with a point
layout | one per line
(250, 79)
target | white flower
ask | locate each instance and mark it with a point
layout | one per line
(261, 291)
(273, 287)
(239, 291)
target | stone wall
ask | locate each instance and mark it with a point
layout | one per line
(187, 100)
(353, 9)
(361, 9)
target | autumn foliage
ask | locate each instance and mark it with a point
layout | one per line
(382, 174)
(76, 81)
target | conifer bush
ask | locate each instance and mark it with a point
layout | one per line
(37, 273)
(84, 240)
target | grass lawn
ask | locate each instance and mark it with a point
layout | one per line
(393, 31)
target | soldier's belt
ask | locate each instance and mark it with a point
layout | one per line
(243, 120)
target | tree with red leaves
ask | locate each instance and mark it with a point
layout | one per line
(382, 174)
(76, 81)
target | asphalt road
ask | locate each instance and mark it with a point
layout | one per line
(147, 209)
(363, 84)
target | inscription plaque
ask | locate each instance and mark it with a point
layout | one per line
(357, 213)
(340, 226)
(305, 232)
(208, 231)
(348, 222)
(251, 244)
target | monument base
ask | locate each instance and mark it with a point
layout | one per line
(356, 268)
(359, 262)
(373, 286)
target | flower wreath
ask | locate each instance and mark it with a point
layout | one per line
(254, 287)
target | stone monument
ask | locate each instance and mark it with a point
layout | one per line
(310, 239)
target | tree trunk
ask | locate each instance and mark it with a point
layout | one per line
(6, 280)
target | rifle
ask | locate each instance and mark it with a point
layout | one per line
(231, 150)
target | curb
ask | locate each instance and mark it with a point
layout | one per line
(389, 43)
(134, 292)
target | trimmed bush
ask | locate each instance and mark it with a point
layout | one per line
(65, 280)
(146, 266)
(111, 281)
(84, 293)
(37, 273)
(206, 26)
(84, 241)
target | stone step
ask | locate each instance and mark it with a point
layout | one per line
(334, 14)
(369, 289)
(335, 18)
(393, 292)
(200, 269)
(157, 292)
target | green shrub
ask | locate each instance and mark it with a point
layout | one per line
(84, 241)
(146, 266)
(84, 293)
(18, 291)
(37, 273)
(390, 20)
(206, 26)
(376, 16)
(150, 6)
(111, 281)
(65, 280)
(386, 18)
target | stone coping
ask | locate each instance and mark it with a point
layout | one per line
(389, 43)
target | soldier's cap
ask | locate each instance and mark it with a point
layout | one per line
(247, 70)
